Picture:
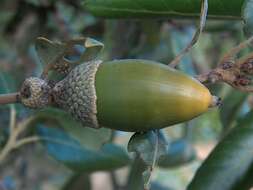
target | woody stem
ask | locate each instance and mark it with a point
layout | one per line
(9, 98)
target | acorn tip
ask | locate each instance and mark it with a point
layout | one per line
(215, 102)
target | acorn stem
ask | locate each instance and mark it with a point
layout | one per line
(9, 98)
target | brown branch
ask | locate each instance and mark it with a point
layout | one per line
(14, 142)
(229, 56)
(237, 72)
(235, 76)
(26, 140)
(9, 98)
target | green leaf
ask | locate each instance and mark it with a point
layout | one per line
(93, 47)
(230, 165)
(88, 137)
(48, 51)
(135, 178)
(248, 18)
(149, 147)
(144, 145)
(54, 55)
(146, 176)
(180, 152)
(79, 148)
(51, 52)
(51, 55)
(71, 153)
(163, 8)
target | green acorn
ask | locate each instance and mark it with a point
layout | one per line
(129, 95)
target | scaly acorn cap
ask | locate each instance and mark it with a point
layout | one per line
(76, 93)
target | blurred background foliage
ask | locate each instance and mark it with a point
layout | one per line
(71, 157)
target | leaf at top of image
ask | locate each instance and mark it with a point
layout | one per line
(230, 164)
(163, 8)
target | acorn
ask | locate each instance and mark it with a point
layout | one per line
(129, 95)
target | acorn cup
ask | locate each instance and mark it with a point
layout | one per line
(129, 95)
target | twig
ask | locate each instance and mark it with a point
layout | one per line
(24, 124)
(203, 15)
(12, 118)
(9, 98)
(14, 144)
(7, 148)
(235, 72)
(231, 54)
(16, 130)
(26, 140)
